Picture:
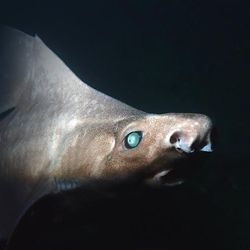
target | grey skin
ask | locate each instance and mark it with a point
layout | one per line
(56, 132)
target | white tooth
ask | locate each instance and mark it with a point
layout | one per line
(162, 173)
(175, 183)
(207, 148)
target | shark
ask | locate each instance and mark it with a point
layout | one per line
(57, 132)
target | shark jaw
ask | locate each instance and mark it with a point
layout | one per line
(180, 170)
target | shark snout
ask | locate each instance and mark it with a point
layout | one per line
(192, 135)
(184, 135)
(183, 143)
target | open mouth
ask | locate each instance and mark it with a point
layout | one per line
(180, 170)
(168, 178)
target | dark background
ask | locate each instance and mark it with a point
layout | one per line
(158, 56)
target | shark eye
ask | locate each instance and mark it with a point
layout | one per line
(133, 139)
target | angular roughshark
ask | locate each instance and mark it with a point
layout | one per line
(57, 132)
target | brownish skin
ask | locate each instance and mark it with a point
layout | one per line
(62, 129)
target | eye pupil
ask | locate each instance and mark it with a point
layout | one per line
(133, 139)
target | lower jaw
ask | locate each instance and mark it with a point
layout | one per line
(178, 172)
(167, 178)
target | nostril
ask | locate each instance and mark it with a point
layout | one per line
(180, 142)
(174, 137)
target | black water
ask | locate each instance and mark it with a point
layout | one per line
(159, 56)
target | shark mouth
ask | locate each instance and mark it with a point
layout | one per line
(168, 177)
(179, 171)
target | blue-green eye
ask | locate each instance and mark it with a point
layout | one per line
(133, 139)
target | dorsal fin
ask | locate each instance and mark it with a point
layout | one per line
(15, 64)
(53, 81)
(31, 74)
